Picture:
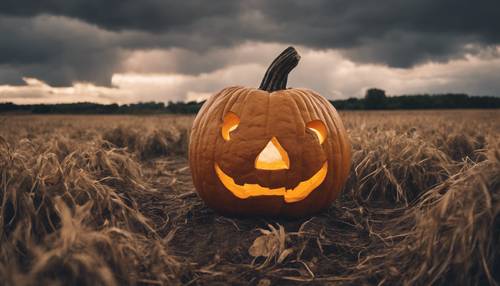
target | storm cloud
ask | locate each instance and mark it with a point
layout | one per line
(56, 49)
(62, 42)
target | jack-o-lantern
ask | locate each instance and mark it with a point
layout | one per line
(269, 151)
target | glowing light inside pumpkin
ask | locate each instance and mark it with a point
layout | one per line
(300, 192)
(272, 157)
(231, 122)
(319, 128)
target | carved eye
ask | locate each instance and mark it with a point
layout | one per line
(230, 124)
(319, 129)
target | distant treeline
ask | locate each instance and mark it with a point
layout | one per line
(96, 108)
(374, 99)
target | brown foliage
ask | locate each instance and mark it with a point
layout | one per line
(109, 201)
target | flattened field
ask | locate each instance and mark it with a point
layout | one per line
(108, 200)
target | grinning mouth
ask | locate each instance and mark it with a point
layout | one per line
(300, 192)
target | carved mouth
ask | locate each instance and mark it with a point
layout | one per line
(300, 192)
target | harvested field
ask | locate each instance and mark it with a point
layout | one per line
(108, 200)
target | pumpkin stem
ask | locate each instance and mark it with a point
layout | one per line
(277, 74)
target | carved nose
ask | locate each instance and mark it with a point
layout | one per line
(272, 157)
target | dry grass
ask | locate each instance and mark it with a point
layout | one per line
(108, 200)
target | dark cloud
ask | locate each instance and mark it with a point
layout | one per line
(405, 49)
(89, 38)
(57, 50)
(147, 15)
(10, 75)
(397, 33)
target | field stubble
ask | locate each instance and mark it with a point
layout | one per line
(108, 200)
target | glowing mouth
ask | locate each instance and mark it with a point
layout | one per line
(300, 192)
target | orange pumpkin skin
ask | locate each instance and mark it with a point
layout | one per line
(283, 115)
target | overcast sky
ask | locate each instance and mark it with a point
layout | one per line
(128, 50)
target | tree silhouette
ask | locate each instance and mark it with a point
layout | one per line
(375, 98)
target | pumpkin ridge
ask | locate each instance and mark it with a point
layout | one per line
(232, 99)
(315, 113)
(344, 151)
(205, 120)
(195, 138)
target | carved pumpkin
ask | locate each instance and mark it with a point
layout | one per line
(270, 151)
